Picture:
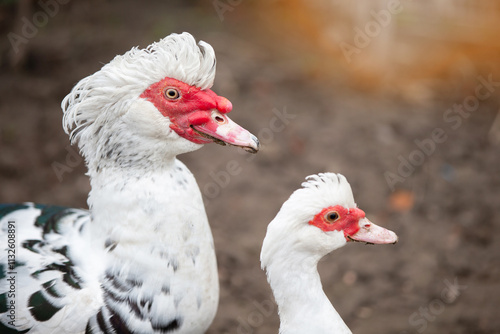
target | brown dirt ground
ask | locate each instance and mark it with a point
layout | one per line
(445, 213)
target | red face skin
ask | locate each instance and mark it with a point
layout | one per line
(347, 221)
(186, 106)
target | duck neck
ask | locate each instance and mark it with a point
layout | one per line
(129, 204)
(155, 214)
(151, 231)
(302, 304)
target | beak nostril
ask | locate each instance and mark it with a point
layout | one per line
(219, 118)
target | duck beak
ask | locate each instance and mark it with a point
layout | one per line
(222, 130)
(373, 234)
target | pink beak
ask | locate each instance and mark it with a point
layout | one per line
(373, 234)
(222, 130)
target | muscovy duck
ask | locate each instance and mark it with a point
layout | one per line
(141, 259)
(317, 219)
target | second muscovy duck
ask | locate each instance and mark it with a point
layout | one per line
(317, 219)
(142, 259)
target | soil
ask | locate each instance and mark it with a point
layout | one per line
(432, 179)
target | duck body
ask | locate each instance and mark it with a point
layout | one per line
(156, 273)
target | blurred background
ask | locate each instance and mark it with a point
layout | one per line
(402, 97)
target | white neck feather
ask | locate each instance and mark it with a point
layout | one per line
(140, 204)
(302, 305)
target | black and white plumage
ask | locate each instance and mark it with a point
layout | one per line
(142, 259)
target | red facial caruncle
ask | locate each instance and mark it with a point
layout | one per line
(198, 115)
(353, 223)
(338, 218)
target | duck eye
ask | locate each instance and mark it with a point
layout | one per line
(172, 94)
(332, 216)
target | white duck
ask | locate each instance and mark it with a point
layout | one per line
(142, 259)
(315, 220)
